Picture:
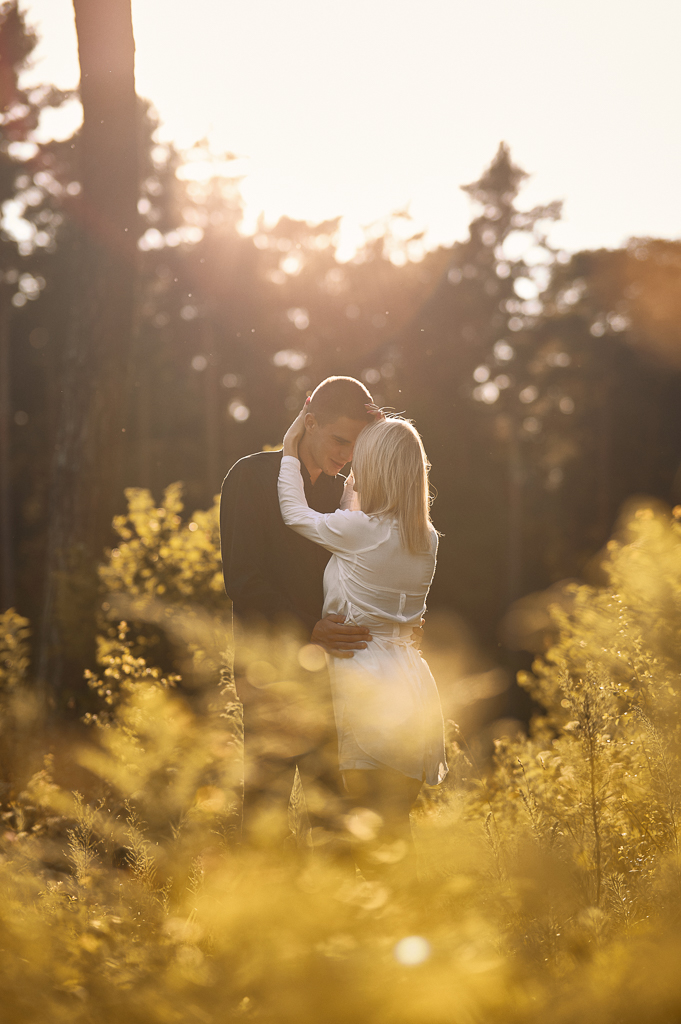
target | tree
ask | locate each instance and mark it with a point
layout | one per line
(613, 317)
(547, 389)
(465, 371)
(19, 260)
(87, 465)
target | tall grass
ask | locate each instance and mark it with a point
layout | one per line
(548, 887)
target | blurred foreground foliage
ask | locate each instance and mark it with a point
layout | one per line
(160, 556)
(549, 880)
(165, 576)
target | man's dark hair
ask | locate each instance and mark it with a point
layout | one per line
(340, 396)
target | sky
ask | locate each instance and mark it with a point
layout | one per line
(362, 107)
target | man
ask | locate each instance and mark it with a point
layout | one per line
(275, 580)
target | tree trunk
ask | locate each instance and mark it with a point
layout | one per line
(143, 393)
(214, 468)
(6, 533)
(514, 541)
(604, 502)
(86, 479)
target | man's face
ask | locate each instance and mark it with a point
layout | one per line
(331, 445)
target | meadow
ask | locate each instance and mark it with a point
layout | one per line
(549, 878)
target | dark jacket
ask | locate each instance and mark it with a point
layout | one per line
(270, 572)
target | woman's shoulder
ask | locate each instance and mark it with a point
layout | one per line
(355, 524)
(356, 519)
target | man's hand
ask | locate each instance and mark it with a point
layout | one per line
(417, 635)
(339, 637)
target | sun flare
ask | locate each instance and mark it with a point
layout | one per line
(362, 110)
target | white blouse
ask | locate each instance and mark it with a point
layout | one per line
(372, 579)
(385, 699)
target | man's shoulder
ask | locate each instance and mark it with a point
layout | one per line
(258, 466)
(258, 462)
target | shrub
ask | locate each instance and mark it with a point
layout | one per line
(17, 701)
(549, 886)
(165, 579)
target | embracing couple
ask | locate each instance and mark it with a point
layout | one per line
(347, 565)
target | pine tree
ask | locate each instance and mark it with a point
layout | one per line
(467, 379)
(25, 177)
(87, 465)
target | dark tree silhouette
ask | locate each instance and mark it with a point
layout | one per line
(19, 114)
(16, 44)
(87, 463)
(465, 362)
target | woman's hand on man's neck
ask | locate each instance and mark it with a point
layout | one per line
(305, 457)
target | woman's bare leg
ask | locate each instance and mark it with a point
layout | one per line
(390, 795)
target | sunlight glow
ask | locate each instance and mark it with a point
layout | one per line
(326, 122)
(412, 950)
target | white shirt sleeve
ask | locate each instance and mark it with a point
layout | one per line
(350, 499)
(341, 532)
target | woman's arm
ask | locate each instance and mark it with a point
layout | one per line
(295, 510)
(295, 433)
(350, 499)
(340, 532)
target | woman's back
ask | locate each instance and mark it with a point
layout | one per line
(385, 699)
(380, 584)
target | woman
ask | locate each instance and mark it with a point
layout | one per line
(384, 546)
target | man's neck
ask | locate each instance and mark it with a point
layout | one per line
(307, 460)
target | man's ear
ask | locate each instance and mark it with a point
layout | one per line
(310, 421)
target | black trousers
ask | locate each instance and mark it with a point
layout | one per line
(289, 725)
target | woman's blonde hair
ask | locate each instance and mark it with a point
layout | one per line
(391, 476)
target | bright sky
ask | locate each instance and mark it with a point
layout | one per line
(362, 106)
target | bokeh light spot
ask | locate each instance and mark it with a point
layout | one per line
(239, 412)
(503, 351)
(299, 318)
(487, 393)
(525, 288)
(260, 673)
(292, 265)
(290, 358)
(412, 950)
(38, 337)
(312, 658)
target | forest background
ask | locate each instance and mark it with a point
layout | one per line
(144, 340)
(546, 384)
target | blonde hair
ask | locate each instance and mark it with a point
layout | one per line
(391, 476)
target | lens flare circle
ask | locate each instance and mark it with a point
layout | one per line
(412, 950)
